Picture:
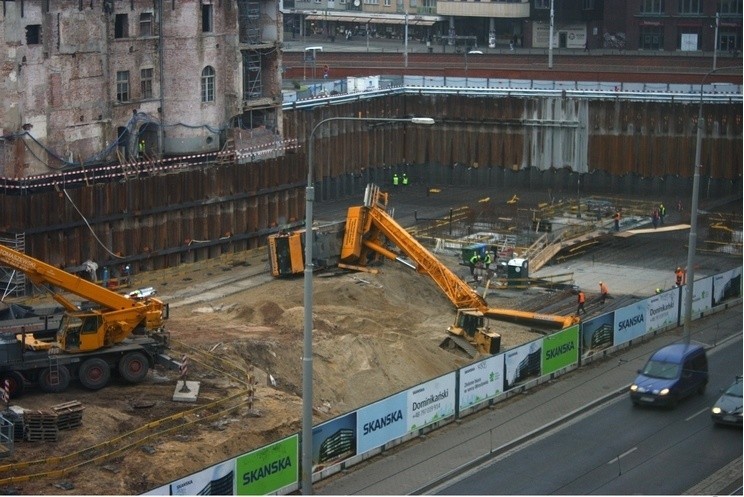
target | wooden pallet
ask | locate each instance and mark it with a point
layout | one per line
(69, 414)
(41, 426)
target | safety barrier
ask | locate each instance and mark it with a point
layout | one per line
(358, 435)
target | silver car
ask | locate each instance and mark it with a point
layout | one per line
(727, 409)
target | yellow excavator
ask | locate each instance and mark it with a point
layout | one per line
(370, 230)
(123, 333)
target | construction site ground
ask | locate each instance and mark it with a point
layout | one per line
(374, 335)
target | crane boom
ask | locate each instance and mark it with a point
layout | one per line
(368, 225)
(84, 331)
(42, 273)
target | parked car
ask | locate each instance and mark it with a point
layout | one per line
(727, 409)
(671, 374)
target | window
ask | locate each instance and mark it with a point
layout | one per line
(688, 41)
(728, 41)
(652, 38)
(146, 83)
(121, 26)
(207, 84)
(146, 24)
(122, 86)
(690, 6)
(207, 19)
(652, 6)
(587, 4)
(729, 6)
(542, 4)
(33, 34)
(387, 3)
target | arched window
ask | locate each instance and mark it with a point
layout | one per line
(207, 84)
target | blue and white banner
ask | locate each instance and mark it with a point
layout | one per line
(381, 422)
(630, 322)
(431, 401)
(663, 310)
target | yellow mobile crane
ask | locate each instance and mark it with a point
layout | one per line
(120, 333)
(369, 227)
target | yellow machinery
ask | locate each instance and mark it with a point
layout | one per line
(118, 331)
(369, 228)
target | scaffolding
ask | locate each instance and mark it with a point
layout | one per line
(252, 86)
(249, 25)
(13, 282)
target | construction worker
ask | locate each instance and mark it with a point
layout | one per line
(141, 148)
(679, 276)
(487, 260)
(404, 180)
(396, 180)
(474, 261)
(662, 212)
(616, 219)
(604, 292)
(582, 301)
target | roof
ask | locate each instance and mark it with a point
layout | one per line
(674, 351)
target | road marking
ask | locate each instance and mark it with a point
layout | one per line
(701, 411)
(616, 459)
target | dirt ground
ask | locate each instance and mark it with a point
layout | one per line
(374, 335)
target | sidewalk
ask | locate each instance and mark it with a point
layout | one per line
(410, 468)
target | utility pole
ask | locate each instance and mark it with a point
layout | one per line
(405, 50)
(715, 42)
(550, 37)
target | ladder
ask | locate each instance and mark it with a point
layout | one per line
(54, 366)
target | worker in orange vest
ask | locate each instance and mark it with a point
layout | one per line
(679, 276)
(582, 301)
(604, 292)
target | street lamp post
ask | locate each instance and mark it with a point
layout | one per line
(691, 246)
(307, 349)
(715, 41)
(550, 36)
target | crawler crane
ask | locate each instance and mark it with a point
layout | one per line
(119, 334)
(370, 230)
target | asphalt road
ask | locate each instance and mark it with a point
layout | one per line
(620, 449)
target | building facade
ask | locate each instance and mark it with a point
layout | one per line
(96, 81)
(652, 25)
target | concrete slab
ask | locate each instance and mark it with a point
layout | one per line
(186, 391)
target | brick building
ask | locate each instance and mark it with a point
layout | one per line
(91, 81)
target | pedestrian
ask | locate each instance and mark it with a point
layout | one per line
(662, 212)
(396, 180)
(582, 301)
(679, 205)
(603, 292)
(679, 276)
(511, 45)
(655, 218)
(404, 179)
(616, 219)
